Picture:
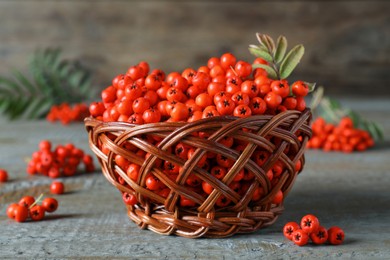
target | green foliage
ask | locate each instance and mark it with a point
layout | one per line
(52, 80)
(280, 65)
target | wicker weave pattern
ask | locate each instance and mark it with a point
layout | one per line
(163, 215)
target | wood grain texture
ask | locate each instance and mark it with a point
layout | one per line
(347, 42)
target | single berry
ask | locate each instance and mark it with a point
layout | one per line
(320, 236)
(300, 237)
(57, 187)
(37, 212)
(335, 235)
(3, 175)
(20, 213)
(50, 204)
(310, 223)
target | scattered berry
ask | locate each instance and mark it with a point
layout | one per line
(320, 236)
(310, 224)
(289, 229)
(300, 237)
(57, 187)
(335, 235)
(50, 204)
(3, 175)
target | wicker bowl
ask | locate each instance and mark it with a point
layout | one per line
(164, 215)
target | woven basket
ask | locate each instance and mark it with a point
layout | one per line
(165, 215)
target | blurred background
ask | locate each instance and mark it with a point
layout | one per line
(347, 42)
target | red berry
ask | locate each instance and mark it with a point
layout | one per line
(278, 198)
(300, 237)
(11, 210)
(129, 199)
(26, 201)
(57, 187)
(20, 213)
(3, 175)
(37, 212)
(310, 223)
(289, 229)
(335, 235)
(320, 236)
(50, 204)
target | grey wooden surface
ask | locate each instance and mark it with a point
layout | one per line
(351, 191)
(347, 42)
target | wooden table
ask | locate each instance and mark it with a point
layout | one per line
(351, 191)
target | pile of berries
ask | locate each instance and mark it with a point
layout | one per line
(3, 175)
(342, 137)
(63, 160)
(223, 87)
(66, 113)
(310, 228)
(28, 207)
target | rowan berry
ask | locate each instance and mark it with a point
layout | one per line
(26, 201)
(280, 87)
(273, 100)
(3, 175)
(310, 223)
(320, 236)
(300, 88)
(289, 229)
(20, 213)
(243, 69)
(257, 106)
(11, 210)
(227, 60)
(336, 235)
(57, 187)
(50, 204)
(300, 237)
(37, 212)
(129, 199)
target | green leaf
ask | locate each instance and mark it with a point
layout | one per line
(11, 85)
(270, 71)
(53, 81)
(281, 47)
(24, 81)
(260, 53)
(311, 86)
(379, 131)
(291, 61)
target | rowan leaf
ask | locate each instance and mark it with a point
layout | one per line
(261, 53)
(291, 61)
(281, 47)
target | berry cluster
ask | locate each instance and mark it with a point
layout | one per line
(62, 161)
(310, 228)
(66, 113)
(28, 207)
(223, 87)
(342, 137)
(3, 175)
